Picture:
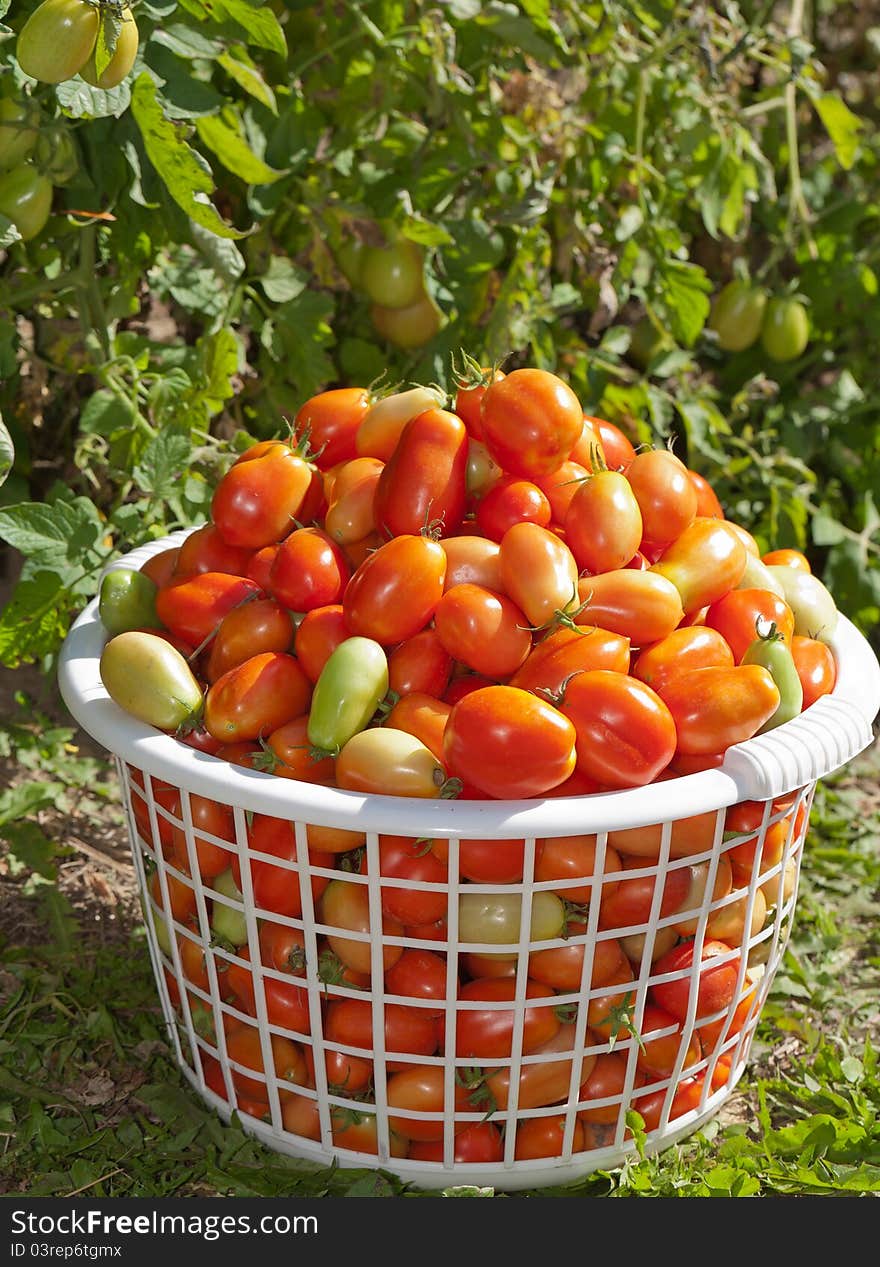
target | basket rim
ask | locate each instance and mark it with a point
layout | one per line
(790, 756)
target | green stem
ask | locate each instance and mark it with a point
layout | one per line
(797, 202)
(49, 286)
(91, 289)
(641, 99)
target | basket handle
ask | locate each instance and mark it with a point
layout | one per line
(818, 742)
(822, 739)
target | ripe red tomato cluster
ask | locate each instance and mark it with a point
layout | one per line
(501, 599)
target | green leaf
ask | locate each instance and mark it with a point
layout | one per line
(82, 101)
(842, 126)
(257, 19)
(162, 463)
(168, 399)
(24, 799)
(186, 41)
(30, 849)
(105, 413)
(221, 253)
(283, 281)
(185, 173)
(298, 335)
(221, 135)
(685, 290)
(109, 30)
(52, 534)
(7, 451)
(220, 355)
(34, 621)
(239, 67)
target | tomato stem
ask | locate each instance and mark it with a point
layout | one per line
(450, 788)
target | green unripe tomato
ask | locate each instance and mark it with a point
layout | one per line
(758, 576)
(350, 260)
(773, 653)
(815, 612)
(150, 680)
(348, 691)
(26, 199)
(18, 131)
(127, 600)
(737, 315)
(494, 918)
(56, 156)
(410, 327)
(392, 275)
(785, 331)
(160, 928)
(57, 40)
(122, 60)
(646, 342)
(227, 923)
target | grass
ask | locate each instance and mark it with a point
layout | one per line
(91, 1101)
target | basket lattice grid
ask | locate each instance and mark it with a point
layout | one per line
(588, 1136)
(711, 858)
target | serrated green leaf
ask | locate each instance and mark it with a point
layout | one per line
(222, 253)
(30, 849)
(34, 621)
(221, 135)
(53, 535)
(185, 173)
(163, 460)
(685, 289)
(186, 41)
(82, 101)
(298, 336)
(106, 412)
(219, 354)
(842, 126)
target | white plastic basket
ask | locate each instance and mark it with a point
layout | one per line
(689, 817)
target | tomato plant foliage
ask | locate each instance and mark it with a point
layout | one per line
(570, 174)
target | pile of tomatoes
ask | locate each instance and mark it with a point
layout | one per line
(501, 599)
